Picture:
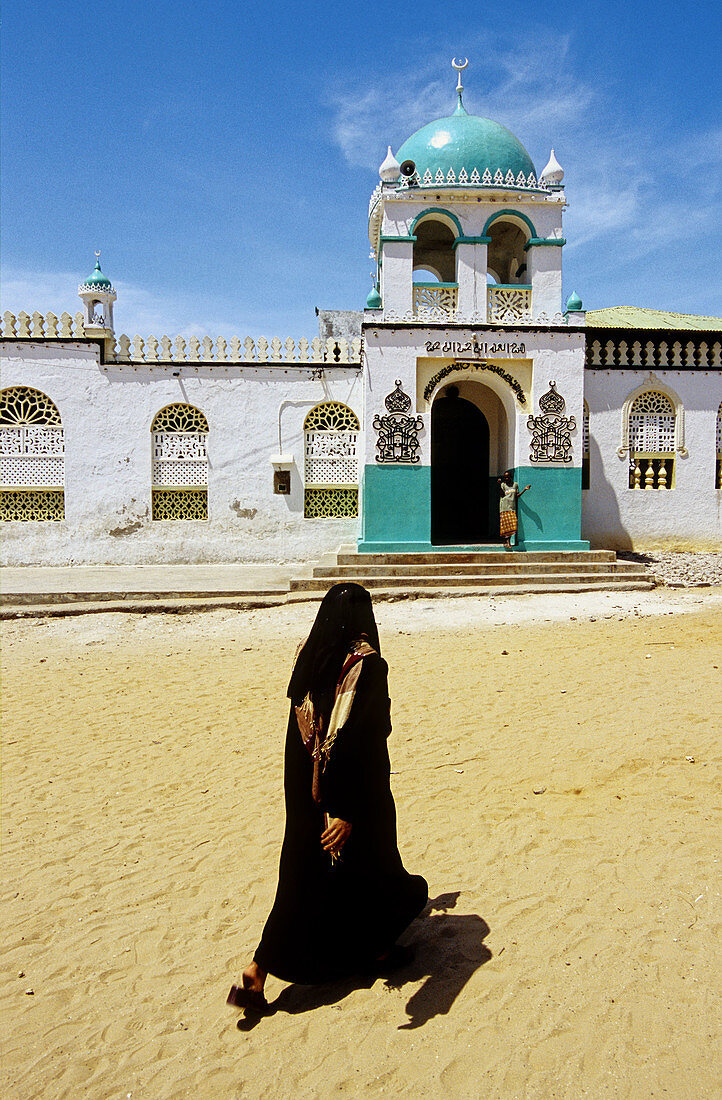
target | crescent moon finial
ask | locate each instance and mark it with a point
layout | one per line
(459, 66)
(97, 253)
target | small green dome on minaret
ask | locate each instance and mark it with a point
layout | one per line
(374, 299)
(574, 303)
(97, 280)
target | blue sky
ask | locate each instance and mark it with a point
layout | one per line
(222, 154)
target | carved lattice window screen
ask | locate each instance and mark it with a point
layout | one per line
(32, 456)
(331, 434)
(652, 441)
(585, 447)
(652, 423)
(180, 463)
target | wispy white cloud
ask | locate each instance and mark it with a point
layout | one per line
(626, 184)
(526, 88)
(141, 310)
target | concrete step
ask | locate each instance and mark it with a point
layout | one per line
(495, 568)
(153, 603)
(442, 590)
(481, 580)
(158, 602)
(16, 599)
(494, 555)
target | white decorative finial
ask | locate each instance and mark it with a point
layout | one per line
(97, 253)
(459, 66)
(553, 174)
(389, 170)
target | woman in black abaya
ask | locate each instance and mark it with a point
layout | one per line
(343, 896)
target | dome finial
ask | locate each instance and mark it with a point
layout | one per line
(389, 169)
(459, 66)
(553, 174)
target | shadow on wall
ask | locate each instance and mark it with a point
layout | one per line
(600, 500)
(524, 508)
(448, 948)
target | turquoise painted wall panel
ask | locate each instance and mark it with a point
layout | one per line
(396, 504)
(552, 509)
(396, 512)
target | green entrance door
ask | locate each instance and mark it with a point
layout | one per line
(459, 472)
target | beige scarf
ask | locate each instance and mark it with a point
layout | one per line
(311, 725)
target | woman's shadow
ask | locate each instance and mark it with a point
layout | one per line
(448, 949)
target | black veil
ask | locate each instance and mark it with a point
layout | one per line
(345, 615)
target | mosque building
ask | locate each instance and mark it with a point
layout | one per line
(390, 429)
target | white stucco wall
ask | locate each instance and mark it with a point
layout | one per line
(545, 275)
(256, 412)
(689, 516)
(401, 353)
(107, 411)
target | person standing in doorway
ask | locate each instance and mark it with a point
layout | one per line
(507, 507)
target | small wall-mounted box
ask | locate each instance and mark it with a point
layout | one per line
(282, 481)
(282, 465)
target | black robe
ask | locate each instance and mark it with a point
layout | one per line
(329, 921)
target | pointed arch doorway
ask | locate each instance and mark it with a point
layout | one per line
(460, 505)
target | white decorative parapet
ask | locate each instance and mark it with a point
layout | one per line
(508, 304)
(465, 178)
(192, 350)
(435, 298)
(39, 327)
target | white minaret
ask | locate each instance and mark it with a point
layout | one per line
(97, 294)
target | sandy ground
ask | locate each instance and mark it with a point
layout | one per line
(572, 946)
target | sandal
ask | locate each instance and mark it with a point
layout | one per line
(250, 999)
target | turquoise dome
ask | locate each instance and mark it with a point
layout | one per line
(466, 141)
(574, 303)
(97, 281)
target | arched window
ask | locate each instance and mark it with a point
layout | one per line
(32, 456)
(509, 295)
(506, 251)
(434, 254)
(180, 463)
(585, 447)
(331, 461)
(718, 477)
(652, 422)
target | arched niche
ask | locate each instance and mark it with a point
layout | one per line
(509, 231)
(435, 233)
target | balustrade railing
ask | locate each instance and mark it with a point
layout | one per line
(507, 304)
(151, 350)
(651, 470)
(435, 298)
